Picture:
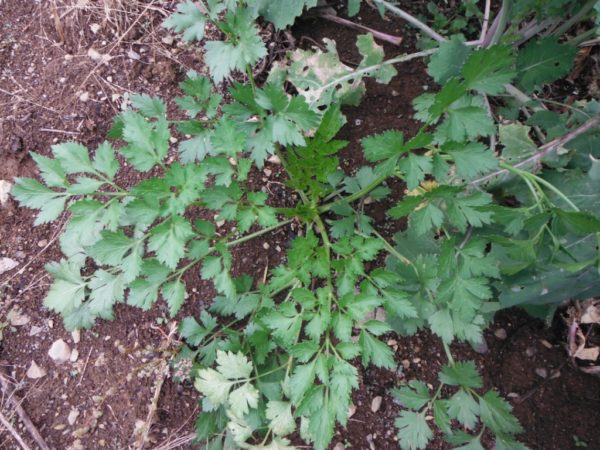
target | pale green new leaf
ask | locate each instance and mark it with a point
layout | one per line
(279, 413)
(213, 385)
(233, 366)
(242, 399)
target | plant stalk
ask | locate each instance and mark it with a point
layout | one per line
(412, 20)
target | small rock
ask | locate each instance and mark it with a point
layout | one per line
(17, 318)
(541, 372)
(94, 27)
(545, 343)
(266, 246)
(100, 360)
(60, 427)
(513, 395)
(351, 410)
(133, 55)
(42, 243)
(168, 40)
(94, 54)
(530, 351)
(358, 122)
(274, 159)
(7, 264)
(219, 223)
(376, 403)
(35, 330)
(5, 187)
(84, 97)
(59, 352)
(34, 372)
(268, 172)
(339, 446)
(406, 364)
(500, 333)
(74, 355)
(76, 335)
(72, 417)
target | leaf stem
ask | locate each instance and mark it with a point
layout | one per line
(358, 194)
(412, 20)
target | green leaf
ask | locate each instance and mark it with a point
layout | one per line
(516, 141)
(148, 141)
(544, 61)
(280, 416)
(415, 167)
(447, 62)
(385, 145)
(67, 292)
(373, 55)
(353, 7)
(112, 248)
(462, 407)
(441, 324)
(496, 414)
(51, 171)
(344, 377)
(243, 398)
(233, 366)
(471, 159)
(414, 396)
(375, 351)
(462, 374)
(302, 379)
(578, 222)
(106, 290)
(488, 70)
(149, 106)
(283, 12)
(168, 240)
(105, 161)
(174, 294)
(228, 139)
(467, 119)
(33, 194)
(73, 157)
(413, 431)
(245, 48)
(213, 385)
(188, 19)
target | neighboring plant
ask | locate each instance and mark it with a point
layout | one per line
(488, 227)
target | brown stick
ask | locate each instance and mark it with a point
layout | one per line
(394, 40)
(13, 432)
(33, 431)
(143, 436)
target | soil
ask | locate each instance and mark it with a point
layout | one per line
(52, 90)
